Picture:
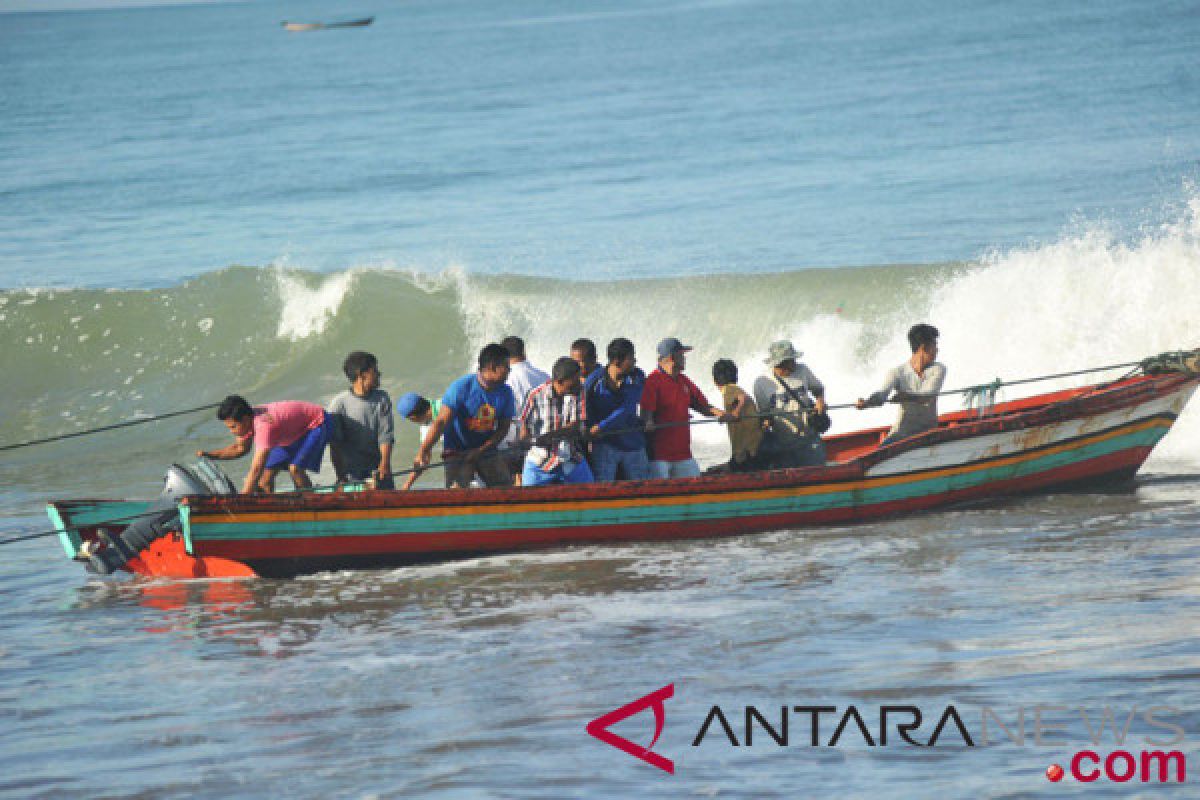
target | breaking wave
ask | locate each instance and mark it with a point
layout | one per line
(79, 358)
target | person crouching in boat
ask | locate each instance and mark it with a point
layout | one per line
(745, 425)
(610, 400)
(290, 434)
(552, 421)
(476, 412)
(795, 399)
(667, 396)
(421, 412)
(914, 385)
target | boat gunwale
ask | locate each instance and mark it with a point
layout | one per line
(1050, 408)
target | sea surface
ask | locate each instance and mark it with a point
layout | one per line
(194, 202)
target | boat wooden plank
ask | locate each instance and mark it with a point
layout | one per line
(1059, 438)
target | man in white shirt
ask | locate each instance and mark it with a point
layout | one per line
(523, 377)
(915, 385)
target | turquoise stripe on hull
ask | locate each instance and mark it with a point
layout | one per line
(85, 515)
(69, 540)
(915, 488)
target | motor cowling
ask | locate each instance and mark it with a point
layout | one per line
(162, 517)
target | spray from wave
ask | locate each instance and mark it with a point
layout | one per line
(78, 358)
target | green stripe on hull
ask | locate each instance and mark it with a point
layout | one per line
(914, 488)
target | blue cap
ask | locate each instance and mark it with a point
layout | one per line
(408, 404)
(670, 346)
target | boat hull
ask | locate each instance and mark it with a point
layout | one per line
(296, 27)
(1079, 437)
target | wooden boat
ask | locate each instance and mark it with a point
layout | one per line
(1082, 436)
(320, 26)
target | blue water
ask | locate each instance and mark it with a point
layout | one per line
(616, 139)
(1020, 174)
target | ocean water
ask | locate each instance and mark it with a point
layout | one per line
(193, 202)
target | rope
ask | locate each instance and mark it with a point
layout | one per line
(1157, 361)
(984, 392)
(982, 397)
(1039, 378)
(1186, 361)
(308, 489)
(57, 531)
(998, 383)
(114, 426)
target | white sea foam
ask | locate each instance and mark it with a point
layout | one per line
(306, 311)
(1088, 299)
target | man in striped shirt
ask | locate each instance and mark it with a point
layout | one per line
(553, 419)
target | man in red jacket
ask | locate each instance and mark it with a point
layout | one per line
(666, 399)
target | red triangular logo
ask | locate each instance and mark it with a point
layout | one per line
(599, 727)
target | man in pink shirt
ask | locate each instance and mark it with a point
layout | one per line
(288, 434)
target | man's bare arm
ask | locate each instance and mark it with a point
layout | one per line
(236, 450)
(435, 432)
(496, 438)
(250, 485)
(385, 459)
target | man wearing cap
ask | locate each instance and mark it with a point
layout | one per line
(666, 398)
(421, 412)
(795, 395)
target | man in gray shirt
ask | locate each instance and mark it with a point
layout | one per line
(914, 385)
(363, 428)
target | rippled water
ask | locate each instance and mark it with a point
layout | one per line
(463, 170)
(477, 678)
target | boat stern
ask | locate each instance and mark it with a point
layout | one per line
(168, 556)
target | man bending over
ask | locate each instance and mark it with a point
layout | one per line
(289, 434)
(476, 412)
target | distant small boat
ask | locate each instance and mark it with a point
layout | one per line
(319, 26)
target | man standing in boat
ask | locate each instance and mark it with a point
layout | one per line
(584, 353)
(289, 434)
(610, 405)
(363, 425)
(523, 377)
(915, 385)
(552, 420)
(667, 396)
(476, 413)
(795, 399)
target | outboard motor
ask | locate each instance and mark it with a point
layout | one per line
(113, 551)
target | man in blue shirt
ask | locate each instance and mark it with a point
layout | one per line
(610, 404)
(583, 352)
(476, 412)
